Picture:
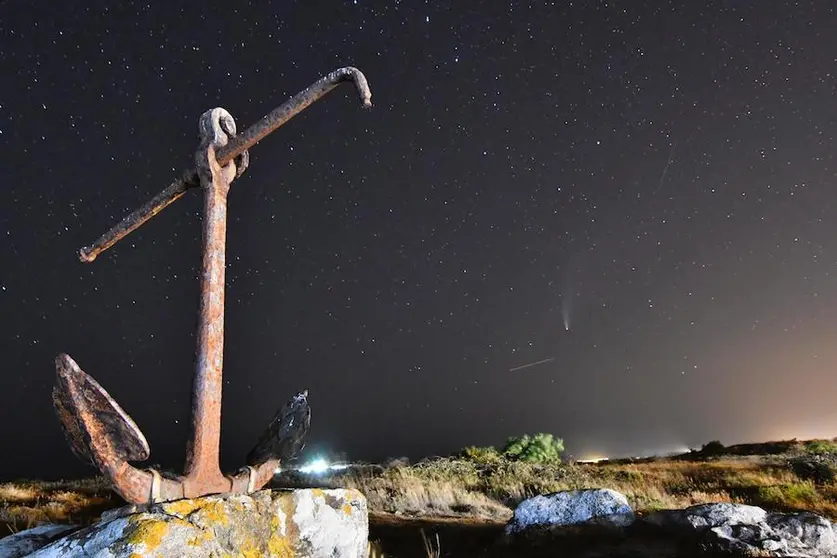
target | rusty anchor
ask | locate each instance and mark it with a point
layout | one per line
(98, 430)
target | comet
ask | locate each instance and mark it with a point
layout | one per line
(566, 306)
(536, 363)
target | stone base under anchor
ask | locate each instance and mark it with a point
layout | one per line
(286, 523)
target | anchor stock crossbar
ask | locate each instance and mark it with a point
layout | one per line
(97, 428)
(238, 145)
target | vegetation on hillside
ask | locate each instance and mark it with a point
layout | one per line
(539, 448)
(488, 483)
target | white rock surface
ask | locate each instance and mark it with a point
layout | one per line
(602, 506)
(25, 542)
(750, 529)
(810, 529)
(705, 516)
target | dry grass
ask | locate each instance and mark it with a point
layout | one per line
(668, 484)
(26, 504)
(432, 491)
(454, 487)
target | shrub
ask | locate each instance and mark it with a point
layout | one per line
(483, 455)
(540, 448)
(712, 448)
(819, 447)
(815, 468)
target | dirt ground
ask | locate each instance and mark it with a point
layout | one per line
(398, 537)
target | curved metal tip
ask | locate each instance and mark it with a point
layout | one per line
(86, 254)
(361, 84)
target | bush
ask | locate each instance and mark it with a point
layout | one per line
(814, 468)
(483, 455)
(540, 448)
(819, 447)
(713, 448)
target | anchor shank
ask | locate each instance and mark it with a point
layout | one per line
(202, 463)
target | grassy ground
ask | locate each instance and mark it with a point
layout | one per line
(791, 479)
(25, 504)
(466, 502)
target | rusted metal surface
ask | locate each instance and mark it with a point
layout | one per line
(203, 472)
(250, 137)
(98, 430)
(171, 194)
(102, 434)
(284, 437)
(293, 106)
(84, 408)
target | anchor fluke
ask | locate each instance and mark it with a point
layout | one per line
(93, 423)
(284, 437)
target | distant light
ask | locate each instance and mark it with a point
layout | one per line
(670, 452)
(593, 459)
(317, 467)
(320, 466)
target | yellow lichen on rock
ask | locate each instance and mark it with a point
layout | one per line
(249, 549)
(182, 508)
(213, 511)
(148, 533)
(280, 547)
(199, 539)
(210, 509)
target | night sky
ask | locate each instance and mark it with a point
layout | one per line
(638, 195)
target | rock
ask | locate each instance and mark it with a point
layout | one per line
(751, 530)
(746, 539)
(811, 530)
(600, 506)
(287, 523)
(25, 542)
(706, 516)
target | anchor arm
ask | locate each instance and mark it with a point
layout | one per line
(236, 147)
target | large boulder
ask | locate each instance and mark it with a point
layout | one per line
(286, 523)
(751, 530)
(600, 506)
